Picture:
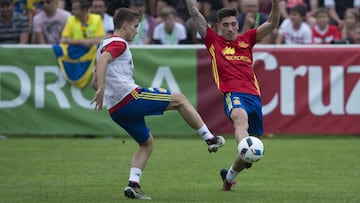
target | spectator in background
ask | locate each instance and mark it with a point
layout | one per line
(351, 19)
(113, 5)
(337, 9)
(230, 3)
(294, 30)
(287, 5)
(357, 34)
(169, 32)
(49, 23)
(83, 28)
(265, 6)
(213, 22)
(99, 7)
(14, 27)
(147, 23)
(315, 5)
(250, 17)
(152, 6)
(27, 8)
(81, 36)
(65, 4)
(323, 32)
(181, 11)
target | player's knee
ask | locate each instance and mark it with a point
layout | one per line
(239, 117)
(148, 144)
(178, 100)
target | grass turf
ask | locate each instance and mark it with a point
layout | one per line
(294, 169)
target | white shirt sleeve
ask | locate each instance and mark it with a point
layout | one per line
(356, 3)
(329, 3)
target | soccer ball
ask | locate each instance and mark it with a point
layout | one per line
(251, 149)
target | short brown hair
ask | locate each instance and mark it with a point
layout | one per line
(166, 11)
(226, 12)
(321, 10)
(123, 15)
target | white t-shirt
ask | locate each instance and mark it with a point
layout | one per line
(178, 33)
(301, 36)
(331, 3)
(119, 81)
(108, 23)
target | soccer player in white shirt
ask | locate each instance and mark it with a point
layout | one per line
(129, 103)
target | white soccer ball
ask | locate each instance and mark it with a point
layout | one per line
(251, 149)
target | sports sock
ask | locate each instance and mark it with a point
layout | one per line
(135, 174)
(231, 175)
(205, 133)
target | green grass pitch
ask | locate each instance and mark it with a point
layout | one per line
(293, 169)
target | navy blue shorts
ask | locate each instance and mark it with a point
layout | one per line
(251, 104)
(131, 111)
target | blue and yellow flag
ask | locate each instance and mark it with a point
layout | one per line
(76, 62)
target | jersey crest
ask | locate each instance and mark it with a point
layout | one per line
(228, 51)
(243, 44)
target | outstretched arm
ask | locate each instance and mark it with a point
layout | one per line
(272, 22)
(197, 17)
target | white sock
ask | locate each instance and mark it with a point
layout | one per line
(231, 175)
(204, 132)
(135, 174)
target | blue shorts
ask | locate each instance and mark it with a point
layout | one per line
(130, 112)
(251, 104)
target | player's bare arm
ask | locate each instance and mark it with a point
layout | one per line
(272, 22)
(94, 84)
(101, 66)
(197, 17)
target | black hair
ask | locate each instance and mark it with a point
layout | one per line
(226, 12)
(106, 2)
(300, 9)
(84, 4)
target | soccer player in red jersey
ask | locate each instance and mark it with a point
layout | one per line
(233, 72)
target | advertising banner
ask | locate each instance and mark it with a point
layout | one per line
(36, 100)
(305, 90)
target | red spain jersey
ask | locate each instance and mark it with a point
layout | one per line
(232, 62)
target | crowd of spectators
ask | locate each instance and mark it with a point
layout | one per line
(168, 21)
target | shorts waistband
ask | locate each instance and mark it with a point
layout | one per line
(124, 101)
